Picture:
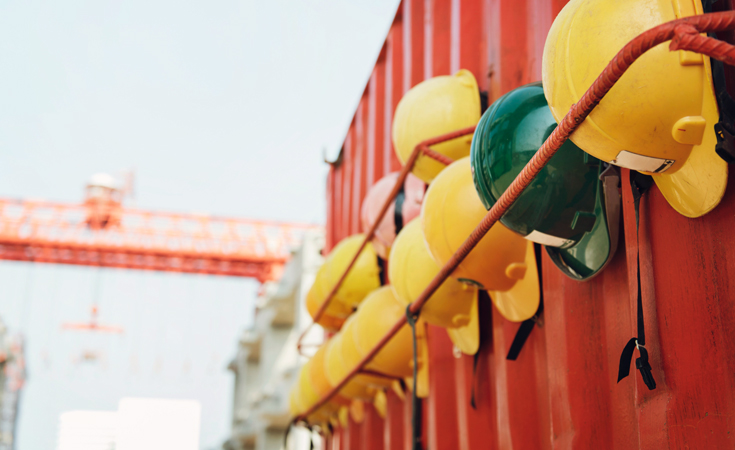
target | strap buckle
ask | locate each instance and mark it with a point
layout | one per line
(411, 318)
(644, 367)
(725, 146)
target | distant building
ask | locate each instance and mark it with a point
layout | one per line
(138, 424)
(89, 430)
(267, 362)
(12, 380)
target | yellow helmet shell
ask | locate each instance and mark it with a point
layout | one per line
(659, 117)
(364, 277)
(307, 395)
(434, 107)
(352, 354)
(337, 370)
(451, 211)
(318, 373)
(411, 268)
(336, 312)
(319, 380)
(375, 316)
(503, 262)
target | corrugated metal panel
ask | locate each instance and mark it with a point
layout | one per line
(561, 392)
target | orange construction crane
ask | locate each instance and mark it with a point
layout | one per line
(102, 232)
(93, 325)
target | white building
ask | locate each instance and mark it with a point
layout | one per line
(87, 430)
(138, 424)
(267, 362)
(12, 379)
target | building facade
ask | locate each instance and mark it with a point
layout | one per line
(12, 380)
(267, 360)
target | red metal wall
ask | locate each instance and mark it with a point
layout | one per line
(561, 392)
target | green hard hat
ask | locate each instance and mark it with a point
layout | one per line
(572, 206)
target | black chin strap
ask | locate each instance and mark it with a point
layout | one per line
(524, 331)
(725, 128)
(398, 208)
(639, 184)
(382, 271)
(398, 222)
(484, 101)
(416, 418)
(483, 302)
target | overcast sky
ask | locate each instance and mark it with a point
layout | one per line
(222, 107)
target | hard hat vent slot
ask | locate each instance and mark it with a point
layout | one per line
(583, 221)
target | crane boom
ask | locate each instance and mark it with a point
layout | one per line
(63, 233)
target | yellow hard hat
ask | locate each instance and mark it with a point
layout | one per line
(337, 370)
(503, 262)
(375, 316)
(434, 107)
(380, 402)
(336, 312)
(364, 277)
(320, 382)
(306, 397)
(352, 355)
(411, 268)
(467, 337)
(659, 117)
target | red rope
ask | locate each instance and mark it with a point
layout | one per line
(684, 35)
(422, 148)
(426, 150)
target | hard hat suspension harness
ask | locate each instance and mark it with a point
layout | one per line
(416, 416)
(639, 184)
(610, 184)
(725, 127)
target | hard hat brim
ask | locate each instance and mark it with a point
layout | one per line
(422, 379)
(596, 249)
(696, 180)
(467, 338)
(520, 302)
(697, 188)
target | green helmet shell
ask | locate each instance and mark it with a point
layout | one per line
(563, 207)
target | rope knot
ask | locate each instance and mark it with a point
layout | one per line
(684, 33)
